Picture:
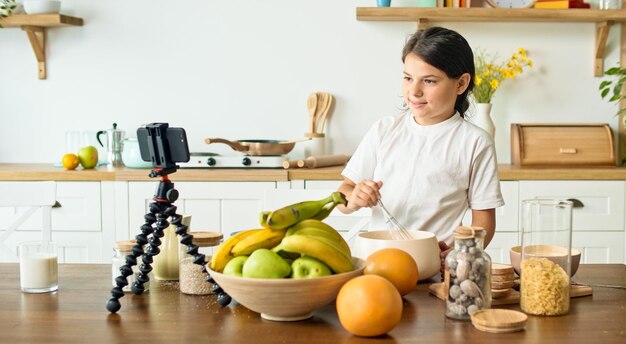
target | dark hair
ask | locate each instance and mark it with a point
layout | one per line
(448, 51)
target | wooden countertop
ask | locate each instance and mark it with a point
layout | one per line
(24, 172)
(76, 314)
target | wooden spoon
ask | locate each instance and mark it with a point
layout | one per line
(311, 104)
(322, 101)
(325, 112)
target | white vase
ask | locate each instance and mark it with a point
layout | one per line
(482, 118)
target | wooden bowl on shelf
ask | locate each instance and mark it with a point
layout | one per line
(286, 299)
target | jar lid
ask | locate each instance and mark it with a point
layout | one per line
(499, 320)
(468, 232)
(207, 239)
(126, 245)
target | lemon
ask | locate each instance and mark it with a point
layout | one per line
(70, 161)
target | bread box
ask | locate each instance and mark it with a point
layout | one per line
(562, 145)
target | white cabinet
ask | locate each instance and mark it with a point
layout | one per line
(93, 215)
(598, 225)
(602, 201)
(75, 223)
(223, 207)
(500, 245)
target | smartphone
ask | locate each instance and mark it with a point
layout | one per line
(162, 145)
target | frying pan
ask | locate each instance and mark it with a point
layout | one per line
(259, 147)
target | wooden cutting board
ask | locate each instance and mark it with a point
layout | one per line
(439, 290)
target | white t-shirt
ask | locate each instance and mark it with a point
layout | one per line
(431, 174)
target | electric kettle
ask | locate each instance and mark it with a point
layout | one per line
(114, 145)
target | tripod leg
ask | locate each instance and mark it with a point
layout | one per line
(155, 215)
(198, 258)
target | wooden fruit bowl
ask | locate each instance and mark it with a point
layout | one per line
(286, 299)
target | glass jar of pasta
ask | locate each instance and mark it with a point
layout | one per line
(469, 268)
(546, 256)
(191, 277)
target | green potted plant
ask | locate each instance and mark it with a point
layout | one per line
(6, 8)
(616, 77)
(613, 85)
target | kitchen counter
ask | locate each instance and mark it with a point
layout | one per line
(23, 172)
(76, 314)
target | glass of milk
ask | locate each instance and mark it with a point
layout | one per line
(38, 266)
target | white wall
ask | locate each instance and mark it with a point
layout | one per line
(242, 69)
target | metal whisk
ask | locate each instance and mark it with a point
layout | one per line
(398, 231)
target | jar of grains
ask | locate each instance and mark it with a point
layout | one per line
(469, 267)
(191, 278)
(123, 249)
(546, 256)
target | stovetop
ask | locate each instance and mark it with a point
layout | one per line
(212, 160)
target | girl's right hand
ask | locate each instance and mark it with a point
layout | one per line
(365, 194)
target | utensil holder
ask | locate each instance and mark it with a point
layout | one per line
(316, 146)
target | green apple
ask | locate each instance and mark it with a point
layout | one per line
(234, 267)
(264, 263)
(309, 267)
(88, 156)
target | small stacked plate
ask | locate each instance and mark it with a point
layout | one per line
(499, 320)
(502, 280)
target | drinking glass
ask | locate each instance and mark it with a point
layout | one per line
(38, 266)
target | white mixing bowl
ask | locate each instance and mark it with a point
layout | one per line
(424, 249)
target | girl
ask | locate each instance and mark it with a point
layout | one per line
(428, 164)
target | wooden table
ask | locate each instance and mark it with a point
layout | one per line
(76, 314)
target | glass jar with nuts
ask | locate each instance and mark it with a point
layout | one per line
(469, 269)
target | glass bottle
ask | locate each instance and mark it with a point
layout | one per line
(546, 256)
(165, 266)
(122, 249)
(166, 262)
(469, 268)
(192, 280)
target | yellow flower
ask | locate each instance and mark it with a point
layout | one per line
(490, 72)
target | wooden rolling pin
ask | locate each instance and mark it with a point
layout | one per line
(323, 161)
(290, 164)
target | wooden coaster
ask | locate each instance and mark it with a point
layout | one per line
(499, 320)
(500, 293)
(503, 278)
(501, 269)
(502, 285)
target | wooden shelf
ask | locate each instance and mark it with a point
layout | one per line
(35, 26)
(488, 14)
(603, 19)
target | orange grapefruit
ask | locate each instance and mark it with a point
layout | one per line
(70, 161)
(395, 265)
(369, 306)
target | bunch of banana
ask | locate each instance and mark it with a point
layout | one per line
(294, 213)
(244, 243)
(318, 240)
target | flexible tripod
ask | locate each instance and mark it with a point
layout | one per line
(151, 232)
